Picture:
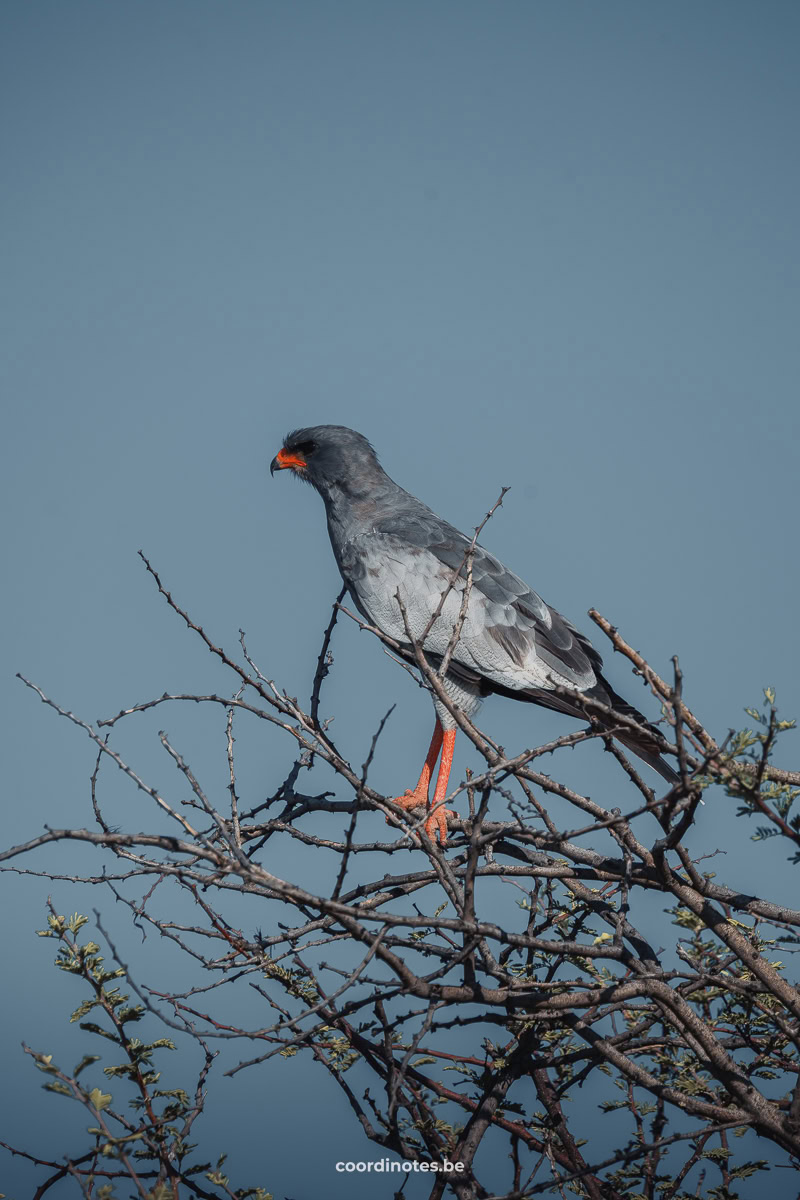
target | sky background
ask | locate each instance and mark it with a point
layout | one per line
(548, 246)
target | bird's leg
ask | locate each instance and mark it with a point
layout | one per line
(444, 741)
(419, 796)
(438, 818)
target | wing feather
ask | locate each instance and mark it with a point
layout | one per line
(515, 619)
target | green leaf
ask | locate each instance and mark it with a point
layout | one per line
(84, 1009)
(85, 1062)
(134, 1013)
(44, 1063)
(91, 1027)
(749, 1168)
(99, 1100)
(57, 1086)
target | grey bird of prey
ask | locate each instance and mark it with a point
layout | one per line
(387, 542)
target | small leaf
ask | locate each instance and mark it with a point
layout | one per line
(85, 1062)
(99, 1100)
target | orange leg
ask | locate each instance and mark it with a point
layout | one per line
(419, 795)
(438, 819)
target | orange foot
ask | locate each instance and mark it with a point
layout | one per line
(437, 820)
(418, 798)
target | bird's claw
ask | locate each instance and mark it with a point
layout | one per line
(437, 820)
(410, 799)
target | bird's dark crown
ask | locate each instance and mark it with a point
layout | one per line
(330, 456)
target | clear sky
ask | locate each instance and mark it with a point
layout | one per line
(551, 246)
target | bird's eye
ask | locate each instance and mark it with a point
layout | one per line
(305, 448)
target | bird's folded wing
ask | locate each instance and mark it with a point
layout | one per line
(510, 635)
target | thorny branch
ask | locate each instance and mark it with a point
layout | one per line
(388, 983)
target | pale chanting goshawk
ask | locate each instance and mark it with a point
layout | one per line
(387, 542)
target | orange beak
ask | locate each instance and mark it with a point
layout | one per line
(284, 459)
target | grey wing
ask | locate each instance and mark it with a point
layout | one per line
(511, 641)
(526, 643)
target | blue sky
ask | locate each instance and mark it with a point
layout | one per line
(546, 246)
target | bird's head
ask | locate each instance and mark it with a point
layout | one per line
(329, 457)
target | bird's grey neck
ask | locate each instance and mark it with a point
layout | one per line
(371, 488)
(355, 505)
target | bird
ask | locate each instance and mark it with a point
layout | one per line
(398, 559)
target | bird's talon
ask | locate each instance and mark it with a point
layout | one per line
(436, 822)
(408, 800)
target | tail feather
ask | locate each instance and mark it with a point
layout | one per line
(647, 748)
(651, 757)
